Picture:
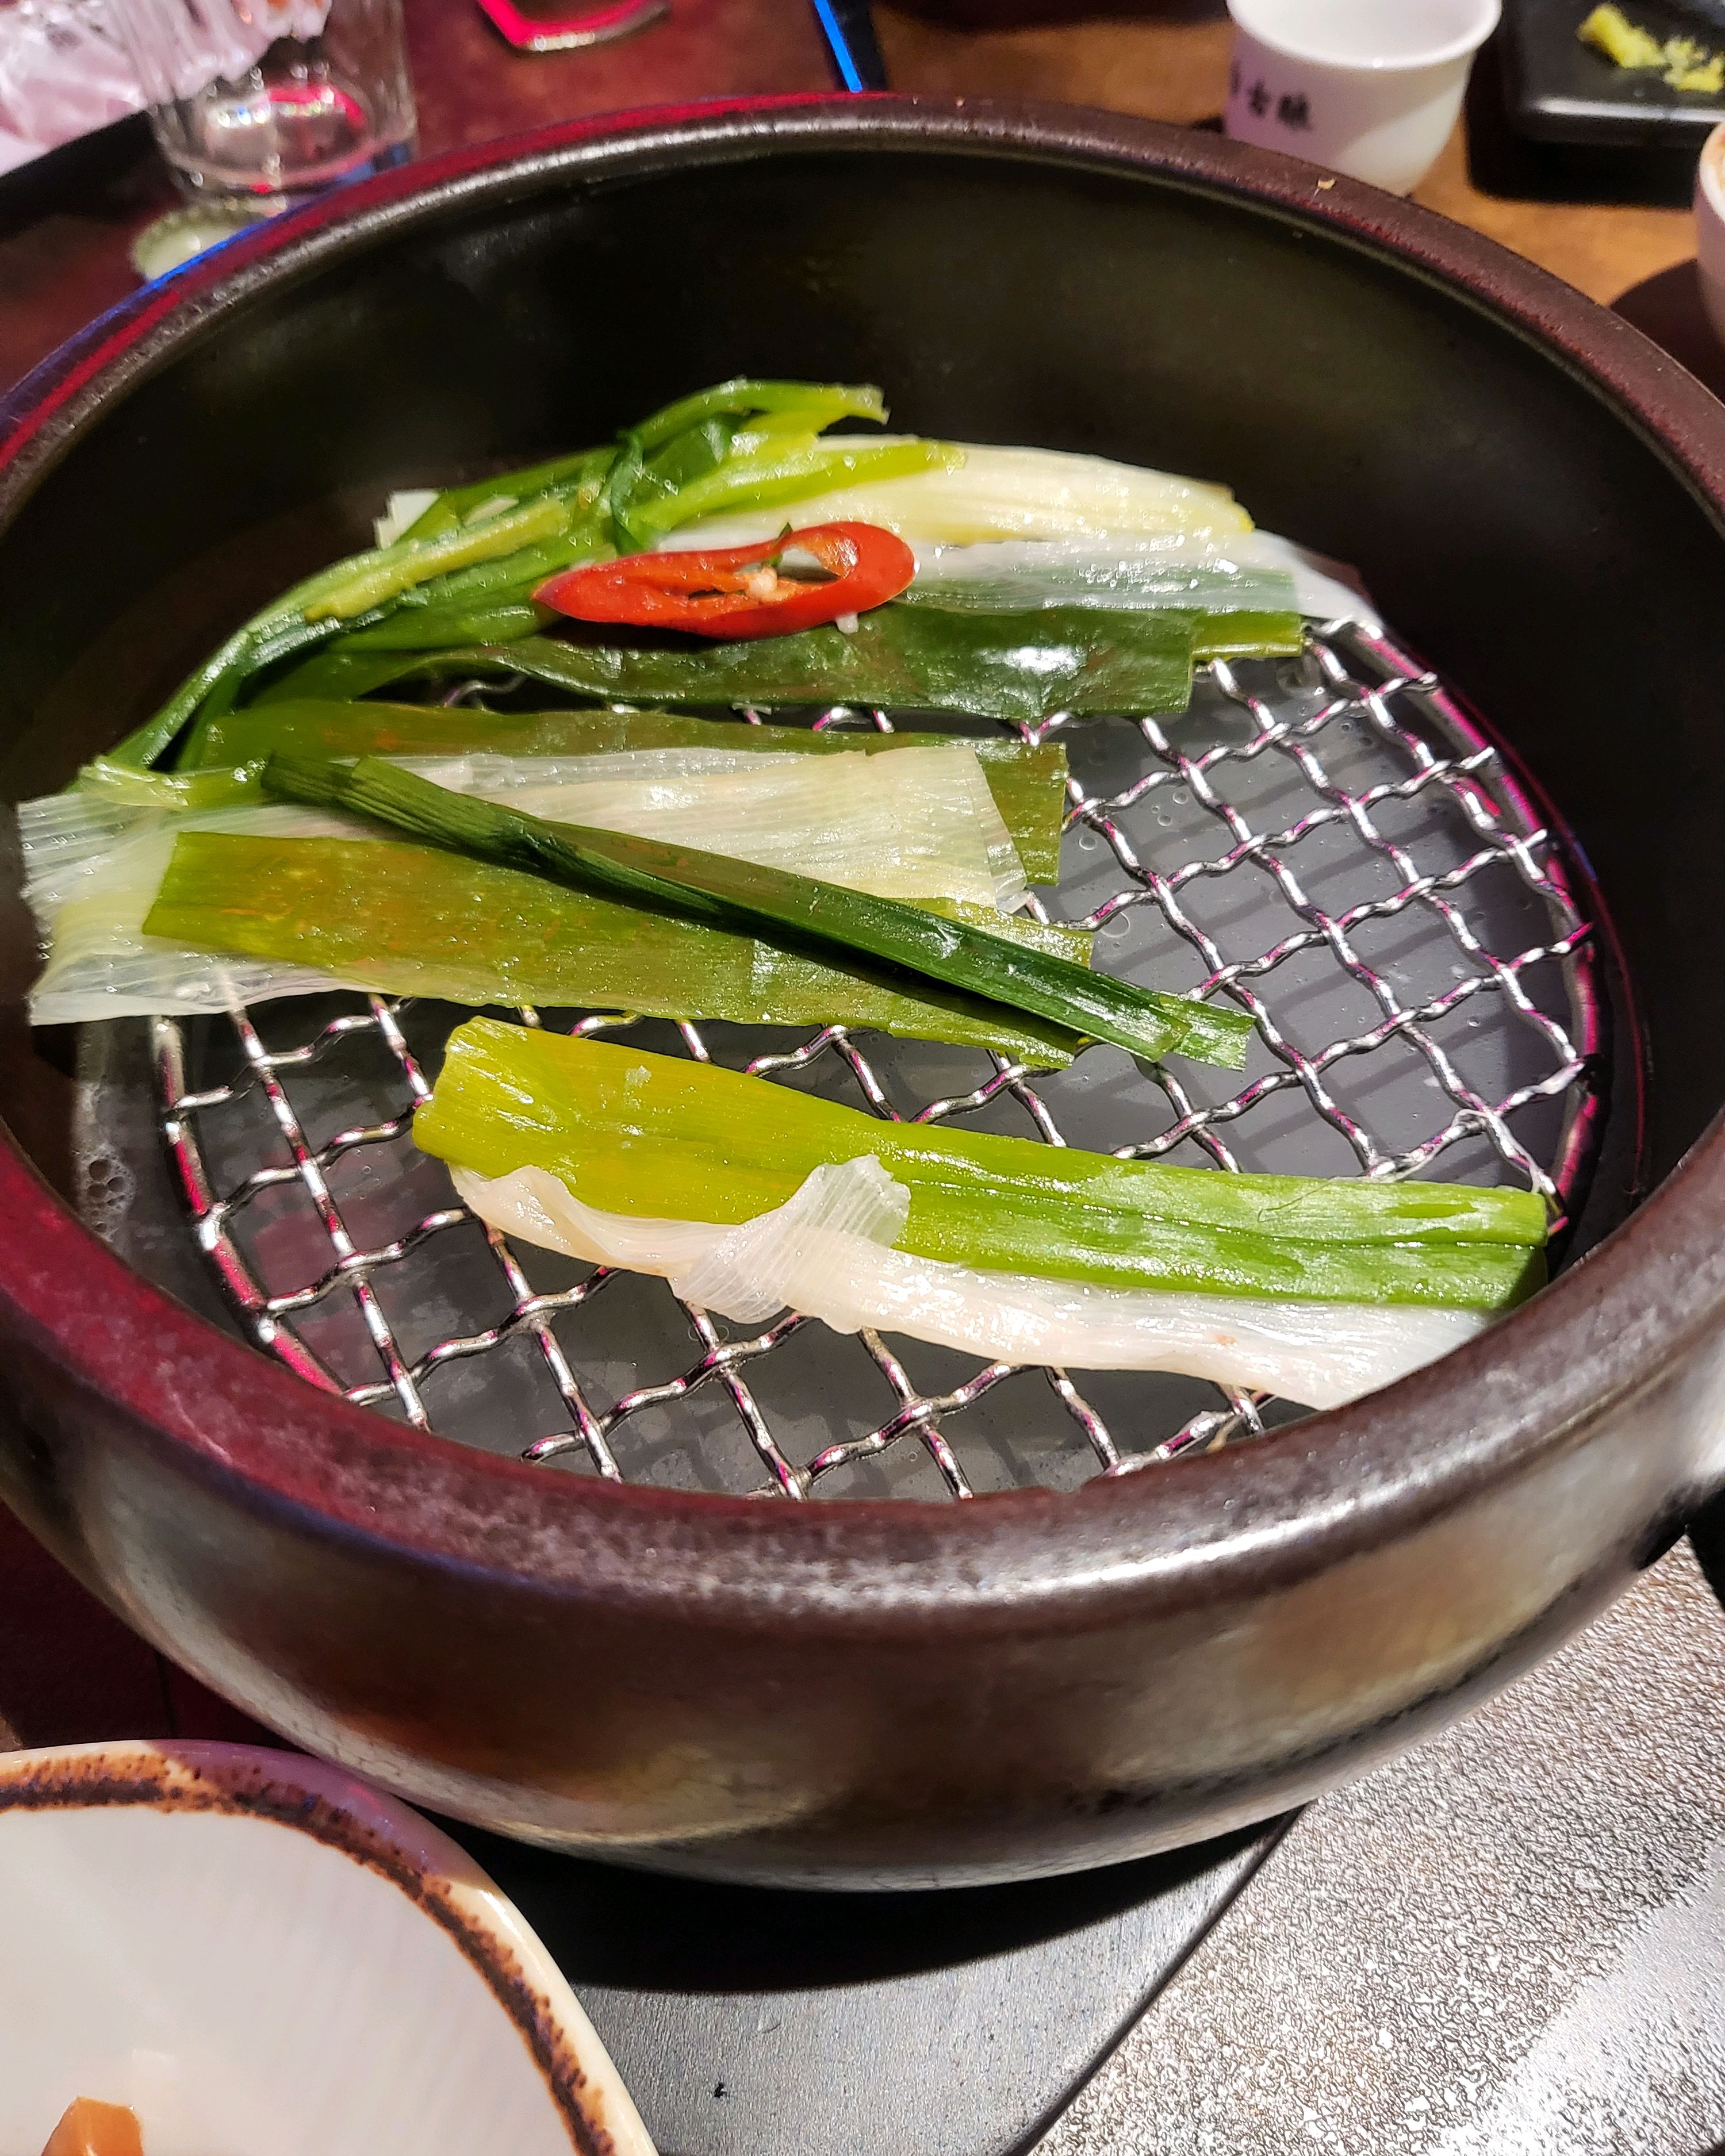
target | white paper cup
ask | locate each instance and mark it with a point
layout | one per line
(1710, 228)
(1371, 87)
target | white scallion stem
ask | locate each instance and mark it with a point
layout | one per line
(828, 1253)
(920, 825)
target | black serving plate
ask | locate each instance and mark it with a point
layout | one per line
(1559, 90)
(749, 2022)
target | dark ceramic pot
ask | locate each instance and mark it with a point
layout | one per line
(873, 1693)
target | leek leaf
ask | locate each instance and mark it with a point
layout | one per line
(655, 1137)
(745, 394)
(1019, 667)
(578, 476)
(1028, 784)
(496, 539)
(829, 1254)
(548, 535)
(405, 919)
(449, 624)
(371, 583)
(779, 471)
(1004, 493)
(776, 903)
(666, 469)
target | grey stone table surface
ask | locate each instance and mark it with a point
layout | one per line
(1510, 1943)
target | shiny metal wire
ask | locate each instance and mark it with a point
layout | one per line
(1369, 753)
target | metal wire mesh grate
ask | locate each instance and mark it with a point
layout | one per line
(1328, 842)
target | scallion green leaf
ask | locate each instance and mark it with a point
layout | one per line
(795, 909)
(655, 1137)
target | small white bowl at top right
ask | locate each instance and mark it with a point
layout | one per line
(1710, 228)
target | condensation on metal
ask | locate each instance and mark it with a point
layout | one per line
(1430, 761)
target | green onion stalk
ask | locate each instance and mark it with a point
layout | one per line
(467, 568)
(795, 911)
(658, 1137)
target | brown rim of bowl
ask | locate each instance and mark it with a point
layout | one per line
(1188, 1531)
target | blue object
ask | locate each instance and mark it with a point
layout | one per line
(849, 28)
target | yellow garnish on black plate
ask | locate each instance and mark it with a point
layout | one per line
(1682, 63)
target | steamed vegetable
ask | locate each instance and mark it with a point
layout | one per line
(828, 1253)
(484, 569)
(1020, 667)
(985, 493)
(1312, 1288)
(1118, 575)
(501, 555)
(784, 907)
(921, 825)
(264, 915)
(476, 555)
(741, 590)
(1028, 784)
(745, 445)
(658, 1137)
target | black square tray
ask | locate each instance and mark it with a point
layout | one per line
(1559, 90)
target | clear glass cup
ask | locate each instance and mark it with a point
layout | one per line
(270, 102)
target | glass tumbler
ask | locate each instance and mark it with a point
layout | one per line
(266, 103)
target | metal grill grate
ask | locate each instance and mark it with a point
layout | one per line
(1328, 842)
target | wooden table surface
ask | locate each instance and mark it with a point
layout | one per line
(68, 1670)
(64, 261)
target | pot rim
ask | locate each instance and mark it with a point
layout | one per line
(213, 1408)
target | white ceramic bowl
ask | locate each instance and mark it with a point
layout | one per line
(1371, 87)
(1710, 228)
(264, 1957)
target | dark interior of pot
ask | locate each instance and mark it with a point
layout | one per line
(1513, 526)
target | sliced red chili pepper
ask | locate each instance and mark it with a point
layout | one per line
(740, 591)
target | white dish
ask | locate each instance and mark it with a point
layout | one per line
(1710, 228)
(1371, 87)
(263, 1957)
